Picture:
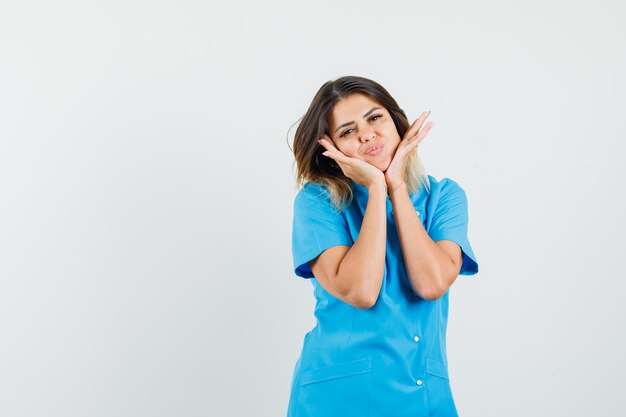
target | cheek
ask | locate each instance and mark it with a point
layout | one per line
(392, 149)
(349, 150)
(393, 134)
(394, 141)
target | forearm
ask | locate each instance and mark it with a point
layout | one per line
(428, 266)
(361, 270)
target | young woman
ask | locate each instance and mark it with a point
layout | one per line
(383, 242)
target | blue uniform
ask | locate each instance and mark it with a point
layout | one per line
(389, 360)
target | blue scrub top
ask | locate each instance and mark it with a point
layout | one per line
(389, 360)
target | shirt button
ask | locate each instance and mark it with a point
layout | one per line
(417, 211)
(417, 339)
(419, 382)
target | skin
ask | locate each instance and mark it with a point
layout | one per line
(354, 274)
(377, 128)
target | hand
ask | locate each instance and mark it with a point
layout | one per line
(360, 171)
(394, 175)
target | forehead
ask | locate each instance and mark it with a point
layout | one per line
(351, 108)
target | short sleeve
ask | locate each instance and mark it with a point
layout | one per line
(450, 221)
(317, 226)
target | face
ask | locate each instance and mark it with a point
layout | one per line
(359, 125)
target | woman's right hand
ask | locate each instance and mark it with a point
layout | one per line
(357, 170)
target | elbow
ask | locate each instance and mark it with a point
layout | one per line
(365, 303)
(438, 286)
(362, 293)
(432, 293)
(363, 300)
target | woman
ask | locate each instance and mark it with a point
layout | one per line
(383, 243)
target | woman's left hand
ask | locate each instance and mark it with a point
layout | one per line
(394, 175)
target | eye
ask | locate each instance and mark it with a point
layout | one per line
(345, 132)
(372, 119)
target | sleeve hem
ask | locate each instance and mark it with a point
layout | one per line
(469, 265)
(301, 266)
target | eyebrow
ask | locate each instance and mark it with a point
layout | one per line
(364, 116)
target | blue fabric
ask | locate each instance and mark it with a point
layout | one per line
(389, 360)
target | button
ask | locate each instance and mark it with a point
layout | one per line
(418, 212)
(417, 339)
(419, 382)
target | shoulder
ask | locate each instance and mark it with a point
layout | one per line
(446, 193)
(312, 194)
(445, 186)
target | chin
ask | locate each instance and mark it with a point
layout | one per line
(380, 164)
(383, 165)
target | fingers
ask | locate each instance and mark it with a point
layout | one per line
(412, 142)
(327, 143)
(417, 124)
(423, 132)
(331, 151)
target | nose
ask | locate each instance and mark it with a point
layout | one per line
(367, 135)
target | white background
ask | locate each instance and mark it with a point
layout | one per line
(146, 190)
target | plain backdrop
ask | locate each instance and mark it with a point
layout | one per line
(147, 185)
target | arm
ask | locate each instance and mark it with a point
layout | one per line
(431, 266)
(355, 274)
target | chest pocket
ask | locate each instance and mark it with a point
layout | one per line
(340, 390)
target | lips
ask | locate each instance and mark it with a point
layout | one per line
(373, 150)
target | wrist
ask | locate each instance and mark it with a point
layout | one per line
(393, 186)
(377, 187)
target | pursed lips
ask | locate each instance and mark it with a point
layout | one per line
(373, 149)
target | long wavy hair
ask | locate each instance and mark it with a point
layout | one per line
(314, 167)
